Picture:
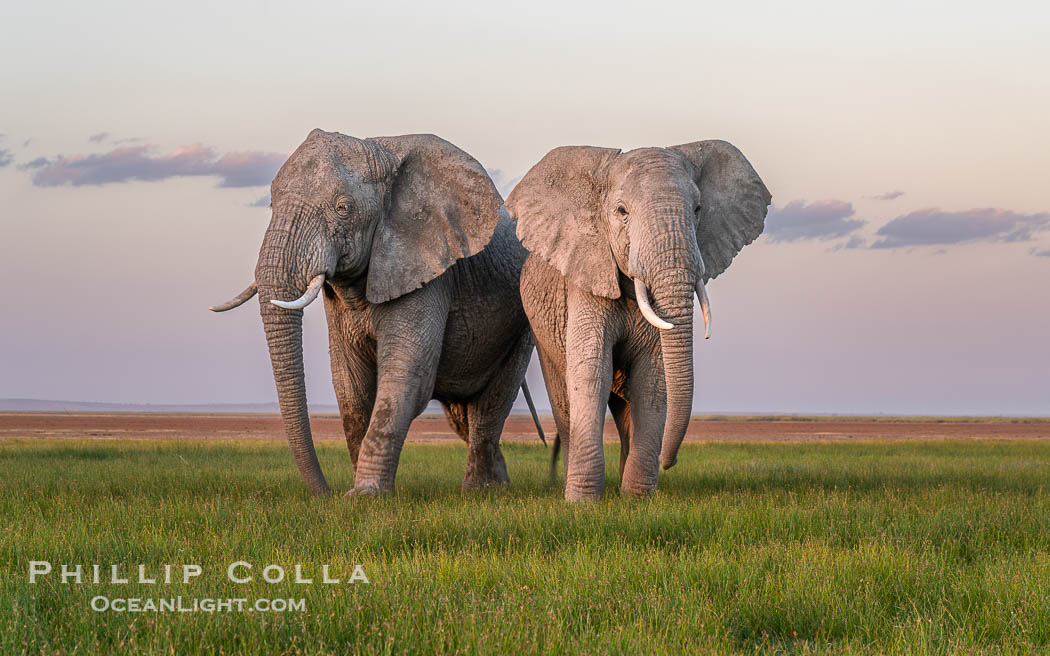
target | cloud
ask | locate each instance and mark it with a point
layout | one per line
(5, 157)
(504, 183)
(98, 138)
(1043, 253)
(855, 242)
(263, 201)
(889, 195)
(247, 169)
(127, 163)
(33, 164)
(822, 219)
(934, 226)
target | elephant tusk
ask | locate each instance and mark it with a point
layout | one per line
(237, 300)
(307, 298)
(642, 297)
(705, 306)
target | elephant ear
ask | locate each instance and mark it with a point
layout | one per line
(558, 209)
(733, 201)
(443, 207)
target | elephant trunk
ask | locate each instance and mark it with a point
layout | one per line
(665, 257)
(284, 335)
(675, 297)
(277, 281)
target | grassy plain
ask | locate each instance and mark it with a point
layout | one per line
(931, 546)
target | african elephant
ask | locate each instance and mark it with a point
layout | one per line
(419, 268)
(604, 227)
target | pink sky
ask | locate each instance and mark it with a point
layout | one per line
(905, 267)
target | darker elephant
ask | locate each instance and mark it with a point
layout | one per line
(419, 268)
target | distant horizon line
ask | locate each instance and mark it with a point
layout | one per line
(20, 404)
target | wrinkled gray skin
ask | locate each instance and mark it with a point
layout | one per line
(421, 273)
(593, 219)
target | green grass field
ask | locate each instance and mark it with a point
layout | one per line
(903, 547)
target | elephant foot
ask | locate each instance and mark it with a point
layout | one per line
(479, 481)
(640, 492)
(582, 495)
(368, 489)
(486, 469)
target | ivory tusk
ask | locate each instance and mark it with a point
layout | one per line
(307, 298)
(705, 306)
(237, 300)
(642, 296)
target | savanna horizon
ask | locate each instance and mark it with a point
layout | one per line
(434, 427)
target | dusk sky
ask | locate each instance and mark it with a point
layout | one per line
(905, 266)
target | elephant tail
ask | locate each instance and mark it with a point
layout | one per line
(554, 456)
(532, 409)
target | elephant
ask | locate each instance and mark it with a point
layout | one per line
(602, 228)
(407, 240)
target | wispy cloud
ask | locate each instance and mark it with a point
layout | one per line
(33, 164)
(889, 195)
(822, 219)
(263, 201)
(504, 182)
(6, 157)
(1041, 253)
(102, 137)
(852, 243)
(235, 169)
(933, 226)
(247, 169)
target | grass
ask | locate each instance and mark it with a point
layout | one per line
(903, 547)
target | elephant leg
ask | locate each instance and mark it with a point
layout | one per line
(647, 413)
(408, 347)
(485, 463)
(589, 371)
(554, 380)
(621, 412)
(486, 416)
(354, 380)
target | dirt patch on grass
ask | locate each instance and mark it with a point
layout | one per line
(434, 428)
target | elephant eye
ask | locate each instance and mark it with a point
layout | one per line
(342, 206)
(621, 209)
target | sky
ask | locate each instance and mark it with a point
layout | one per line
(904, 267)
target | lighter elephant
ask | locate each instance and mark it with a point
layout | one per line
(418, 265)
(604, 227)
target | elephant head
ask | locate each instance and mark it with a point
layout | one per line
(662, 219)
(391, 212)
